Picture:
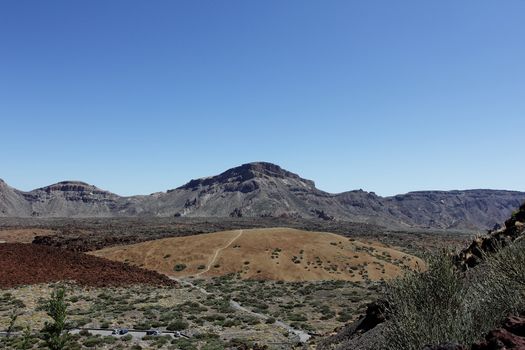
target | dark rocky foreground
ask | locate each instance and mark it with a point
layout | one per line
(514, 229)
(511, 335)
(23, 264)
(266, 190)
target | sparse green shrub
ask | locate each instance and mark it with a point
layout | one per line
(297, 317)
(55, 336)
(109, 339)
(84, 333)
(443, 304)
(74, 299)
(270, 320)
(142, 325)
(426, 308)
(127, 337)
(93, 342)
(183, 344)
(214, 344)
(177, 325)
(345, 316)
(179, 267)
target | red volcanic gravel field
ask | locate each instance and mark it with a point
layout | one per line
(22, 264)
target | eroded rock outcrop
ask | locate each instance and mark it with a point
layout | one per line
(514, 229)
(511, 335)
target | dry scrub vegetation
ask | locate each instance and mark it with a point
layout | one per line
(267, 254)
(209, 321)
(444, 304)
(318, 307)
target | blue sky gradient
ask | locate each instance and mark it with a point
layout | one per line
(141, 96)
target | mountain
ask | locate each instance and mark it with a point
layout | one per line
(69, 198)
(254, 189)
(12, 201)
(265, 189)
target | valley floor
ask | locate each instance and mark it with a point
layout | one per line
(312, 281)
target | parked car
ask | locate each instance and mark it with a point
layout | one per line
(119, 331)
(153, 332)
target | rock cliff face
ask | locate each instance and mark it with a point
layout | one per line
(265, 189)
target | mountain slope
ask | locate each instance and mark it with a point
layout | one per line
(68, 198)
(265, 189)
(12, 201)
(254, 189)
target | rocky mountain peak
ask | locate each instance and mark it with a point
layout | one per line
(258, 170)
(247, 172)
(72, 186)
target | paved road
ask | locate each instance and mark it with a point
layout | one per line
(137, 334)
(107, 332)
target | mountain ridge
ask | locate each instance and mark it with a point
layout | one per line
(265, 189)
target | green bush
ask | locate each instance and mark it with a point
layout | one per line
(214, 344)
(54, 333)
(297, 317)
(183, 344)
(179, 267)
(270, 320)
(444, 304)
(84, 333)
(127, 337)
(93, 342)
(142, 325)
(177, 325)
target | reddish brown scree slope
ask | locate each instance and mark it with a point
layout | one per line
(22, 264)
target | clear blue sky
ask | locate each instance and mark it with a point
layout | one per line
(141, 96)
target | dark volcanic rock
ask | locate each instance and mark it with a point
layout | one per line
(32, 264)
(510, 336)
(365, 333)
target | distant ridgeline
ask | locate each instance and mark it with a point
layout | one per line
(266, 190)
